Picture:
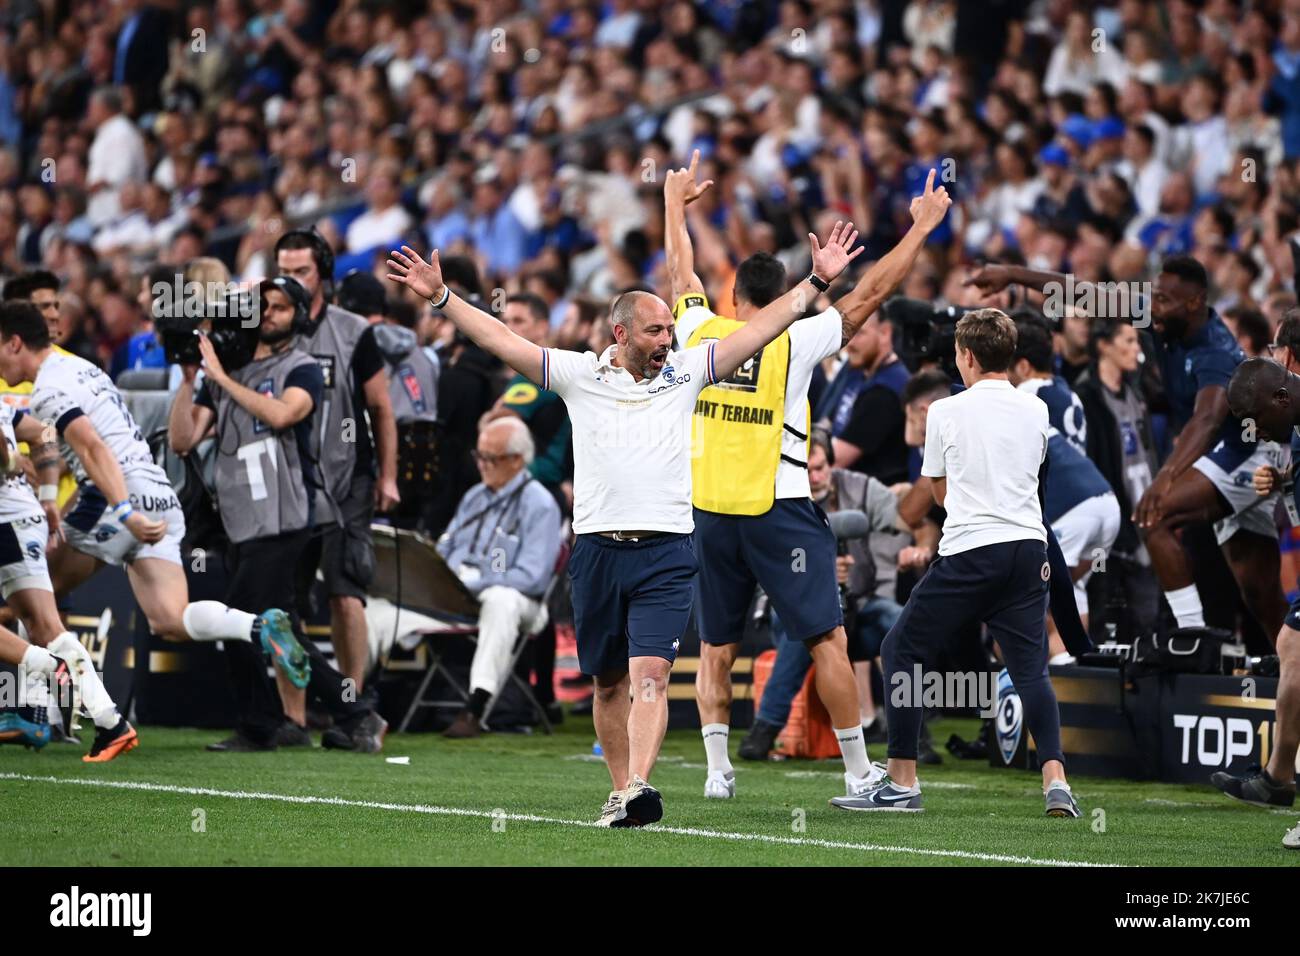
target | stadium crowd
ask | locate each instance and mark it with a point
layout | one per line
(528, 143)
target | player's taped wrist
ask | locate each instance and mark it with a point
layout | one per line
(46, 493)
(123, 510)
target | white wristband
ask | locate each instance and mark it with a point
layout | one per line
(48, 493)
(443, 300)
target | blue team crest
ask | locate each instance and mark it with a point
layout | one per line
(1010, 721)
(34, 550)
(1187, 367)
(668, 375)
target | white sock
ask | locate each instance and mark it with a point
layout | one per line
(853, 747)
(1186, 605)
(1065, 657)
(94, 695)
(38, 660)
(715, 746)
(35, 683)
(213, 621)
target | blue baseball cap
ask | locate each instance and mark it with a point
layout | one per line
(1053, 154)
(1108, 127)
(1078, 128)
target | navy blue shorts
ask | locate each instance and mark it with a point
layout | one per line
(630, 598)
(789, 551)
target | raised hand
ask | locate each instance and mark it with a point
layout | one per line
(680, 186)
(929, 208)
(422, 278)
(834, 257)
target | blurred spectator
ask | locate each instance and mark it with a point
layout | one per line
(117, 156)
(543, 411)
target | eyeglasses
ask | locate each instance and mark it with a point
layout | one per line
(1273, 347)
(483, 459)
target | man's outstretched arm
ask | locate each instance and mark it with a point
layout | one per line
(884, 277)
(425, 280)
(680, 190)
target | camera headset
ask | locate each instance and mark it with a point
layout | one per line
(323, 256)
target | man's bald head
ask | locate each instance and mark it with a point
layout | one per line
(1263, 392)
(643, 329)
(634, 305)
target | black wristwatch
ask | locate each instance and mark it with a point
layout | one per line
(820, 284)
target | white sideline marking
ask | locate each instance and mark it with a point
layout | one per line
(533, 818)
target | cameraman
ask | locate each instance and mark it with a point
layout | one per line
(262, 413)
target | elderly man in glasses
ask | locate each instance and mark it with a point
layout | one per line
(502, 543)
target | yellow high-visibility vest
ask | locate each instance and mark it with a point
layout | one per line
(737, 425)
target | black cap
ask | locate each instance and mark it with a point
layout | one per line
(362, 293)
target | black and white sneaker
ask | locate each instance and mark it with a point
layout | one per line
(642, 804)
(1060, 801)
(886, 795)
(1255, 787)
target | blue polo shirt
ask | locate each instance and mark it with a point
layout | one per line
(1205, 360)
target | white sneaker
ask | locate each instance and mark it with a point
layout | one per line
(1292, 839)
(613, 809)
(856, 786)
(720, 785)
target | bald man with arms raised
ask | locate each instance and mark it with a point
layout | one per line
(633, 566)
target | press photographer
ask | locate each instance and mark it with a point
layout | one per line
(260, 403)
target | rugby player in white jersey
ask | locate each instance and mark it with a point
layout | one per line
(25, 585)
(126, 512)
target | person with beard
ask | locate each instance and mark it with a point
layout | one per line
(867, 425)
(633, 566)
(1208, 477)
(261, 416)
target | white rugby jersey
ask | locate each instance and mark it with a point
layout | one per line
(68, 387)
(17, 500)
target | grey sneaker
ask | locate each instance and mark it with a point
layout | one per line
(292, 735)
(1255, 787)
(613, 809)
(642, 804)
(885, 795)
(1060, 801)
(366, 737)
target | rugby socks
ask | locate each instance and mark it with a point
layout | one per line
(853, 747)
(213, 621)
(1186, 605)
(37, 660)
(715, 746)
(94, 696)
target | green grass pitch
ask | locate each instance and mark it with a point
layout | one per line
(528, 800)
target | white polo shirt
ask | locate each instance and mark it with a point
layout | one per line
(631, 440)
(989, 442)
(811, 340)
